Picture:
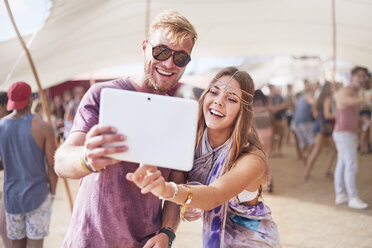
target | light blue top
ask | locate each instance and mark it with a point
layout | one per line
(25, 177)
(302, 111)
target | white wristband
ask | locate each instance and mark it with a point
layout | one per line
(174, 194)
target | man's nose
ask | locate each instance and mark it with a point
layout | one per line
(169, 63)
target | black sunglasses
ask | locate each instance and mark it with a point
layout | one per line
(162, 53)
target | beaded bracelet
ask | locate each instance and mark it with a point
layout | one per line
(187, 202)
(83, 164)
(174, 194)
(86, 165)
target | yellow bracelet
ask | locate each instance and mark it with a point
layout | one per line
(83, 164)
(187, 202)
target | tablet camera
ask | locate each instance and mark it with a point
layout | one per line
(148, 98)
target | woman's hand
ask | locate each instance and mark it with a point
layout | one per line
(149, 179)
(192, 214)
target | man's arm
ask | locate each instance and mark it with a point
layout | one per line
(50, 148)
(78, 144)
(171, 211)
(170, 216)
(345, 98)
(310, 99)
(67, 157)
(276, 108)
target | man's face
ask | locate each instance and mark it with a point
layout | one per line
(358, 79)
(161, 76)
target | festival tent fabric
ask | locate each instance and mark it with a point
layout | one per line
(83, 36)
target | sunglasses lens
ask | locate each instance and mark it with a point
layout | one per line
(161, 53)
(181, 59)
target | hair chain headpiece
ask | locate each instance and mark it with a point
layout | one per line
(226, 85)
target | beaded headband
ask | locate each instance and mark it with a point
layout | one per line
(227, 85)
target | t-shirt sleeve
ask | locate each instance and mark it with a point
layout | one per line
(88, 111)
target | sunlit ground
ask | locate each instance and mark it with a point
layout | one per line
(304, 212)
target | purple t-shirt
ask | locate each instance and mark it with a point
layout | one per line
(110, 211)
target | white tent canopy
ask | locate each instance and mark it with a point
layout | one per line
(83, 36)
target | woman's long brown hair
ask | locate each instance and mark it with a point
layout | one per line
(244, 135)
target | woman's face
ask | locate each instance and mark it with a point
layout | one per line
(222, 104)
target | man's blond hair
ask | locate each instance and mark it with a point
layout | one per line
(176, 26)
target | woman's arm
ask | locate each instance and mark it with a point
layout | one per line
(327, 109)
(247, 173)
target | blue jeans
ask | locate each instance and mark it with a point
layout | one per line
(347, 163)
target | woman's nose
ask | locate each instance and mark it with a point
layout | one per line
(219, 100)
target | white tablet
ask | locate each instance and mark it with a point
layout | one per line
(160, 130)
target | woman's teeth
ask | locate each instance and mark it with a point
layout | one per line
(215, 112)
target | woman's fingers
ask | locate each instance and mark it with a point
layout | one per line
(156, 187)
(145, 176)
(150, 177)
(192, 214)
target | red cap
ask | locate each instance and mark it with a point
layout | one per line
(18, 95)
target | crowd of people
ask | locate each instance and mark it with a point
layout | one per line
(321, 116)
(140, 206)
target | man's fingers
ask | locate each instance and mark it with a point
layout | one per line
(97, 141)
(100, 129)
(104, 151)
(102, 162)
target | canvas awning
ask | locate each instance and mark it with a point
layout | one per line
(83, 36)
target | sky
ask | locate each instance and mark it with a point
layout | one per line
(29, 15)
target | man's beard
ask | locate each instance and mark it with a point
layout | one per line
(151, 82)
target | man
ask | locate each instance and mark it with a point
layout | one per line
(303, 121)
(6, 241)
(277, 108)
(71, 109)
(26, 142)
(345, 135)
(110, 211)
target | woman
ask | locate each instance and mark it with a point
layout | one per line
(230, 159)
(262, 119)
(263, 122)
(365, 117)
(323, 130)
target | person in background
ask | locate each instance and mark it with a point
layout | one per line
(278, 107)
(110, 211)
(345, 135)
(323, 129)
(291, 103)
(71, 108)
(365, 117)
(59, 112)
(6, 241)
(262, 118)
(303, 121)
(230, 163)
(263, 122)
(26, 144)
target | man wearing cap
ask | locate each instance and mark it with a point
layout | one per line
(6, 242)
(26, 144)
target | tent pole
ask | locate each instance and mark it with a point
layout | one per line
(334, 40)
(41, 92)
